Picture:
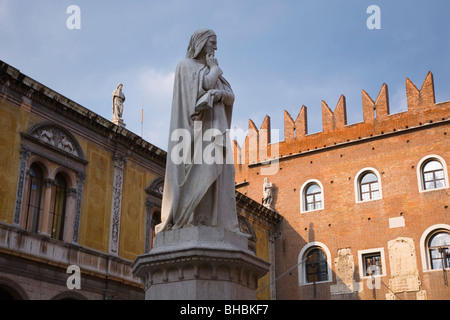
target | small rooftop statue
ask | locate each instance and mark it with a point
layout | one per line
(267, 193)
(118, 98)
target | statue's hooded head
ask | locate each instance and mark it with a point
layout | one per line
(197, 42)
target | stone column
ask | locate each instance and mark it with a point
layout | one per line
(46, 220)
(76, 219)
(24, 155)
(69, 214)
(273, 286)
(119, 166)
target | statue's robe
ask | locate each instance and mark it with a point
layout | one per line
(118, 98)
(198, 193)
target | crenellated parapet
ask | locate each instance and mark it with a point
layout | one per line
(334, 120)
(378, 109)
(295, 129)
(377, 121)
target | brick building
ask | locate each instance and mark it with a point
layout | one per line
(365, 206)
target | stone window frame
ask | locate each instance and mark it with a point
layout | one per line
(361, 266)
(52, 160)
(357, 187)
(61, 191)
(421, 165)
(302, 267)
(246, 227)
(303, 202)
(153, 203)
(28, 217)
(45, 220)
(424, 250)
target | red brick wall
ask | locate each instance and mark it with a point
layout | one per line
(391, 144)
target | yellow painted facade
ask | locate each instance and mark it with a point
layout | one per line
(95, 220)
(9, 157)
(136, 179)
(262, 251)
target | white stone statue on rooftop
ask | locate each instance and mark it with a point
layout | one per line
(267, 193)
(118, 98)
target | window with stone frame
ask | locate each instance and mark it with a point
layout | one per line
(316, 268)
(50, 182)
(439, 250)
(34, 198)
(369, 188)
(58, 209)
(372, 264)
(313, 198)
(433, 175)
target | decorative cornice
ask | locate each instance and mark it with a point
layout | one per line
(257, 210)
(14, 81)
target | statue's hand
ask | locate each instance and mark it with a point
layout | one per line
(217, 94)
(211, 61)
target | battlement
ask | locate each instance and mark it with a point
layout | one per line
(377, 121)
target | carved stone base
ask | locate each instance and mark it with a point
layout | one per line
(118, 122)
(200, 263)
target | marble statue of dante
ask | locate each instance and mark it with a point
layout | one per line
(200, 193)
(118, 98)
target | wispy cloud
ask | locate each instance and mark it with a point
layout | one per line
(4, 13)
(155, 87)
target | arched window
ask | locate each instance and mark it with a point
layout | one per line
(314, 264)
(439, 250)
(10, 290)
(316, 269)
(46, 202)
(369, 187)
(433, 175)
(59, 207)
(367, 184)
(34, 201)
(311, 197)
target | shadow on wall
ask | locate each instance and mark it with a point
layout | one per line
(304, 268)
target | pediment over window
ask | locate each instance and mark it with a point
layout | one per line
(58, 137)
(157, 187)
(246, 227)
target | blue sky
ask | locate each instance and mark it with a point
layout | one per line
(277, 55)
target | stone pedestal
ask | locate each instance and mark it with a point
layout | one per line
(119, 122)
(200, 263)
